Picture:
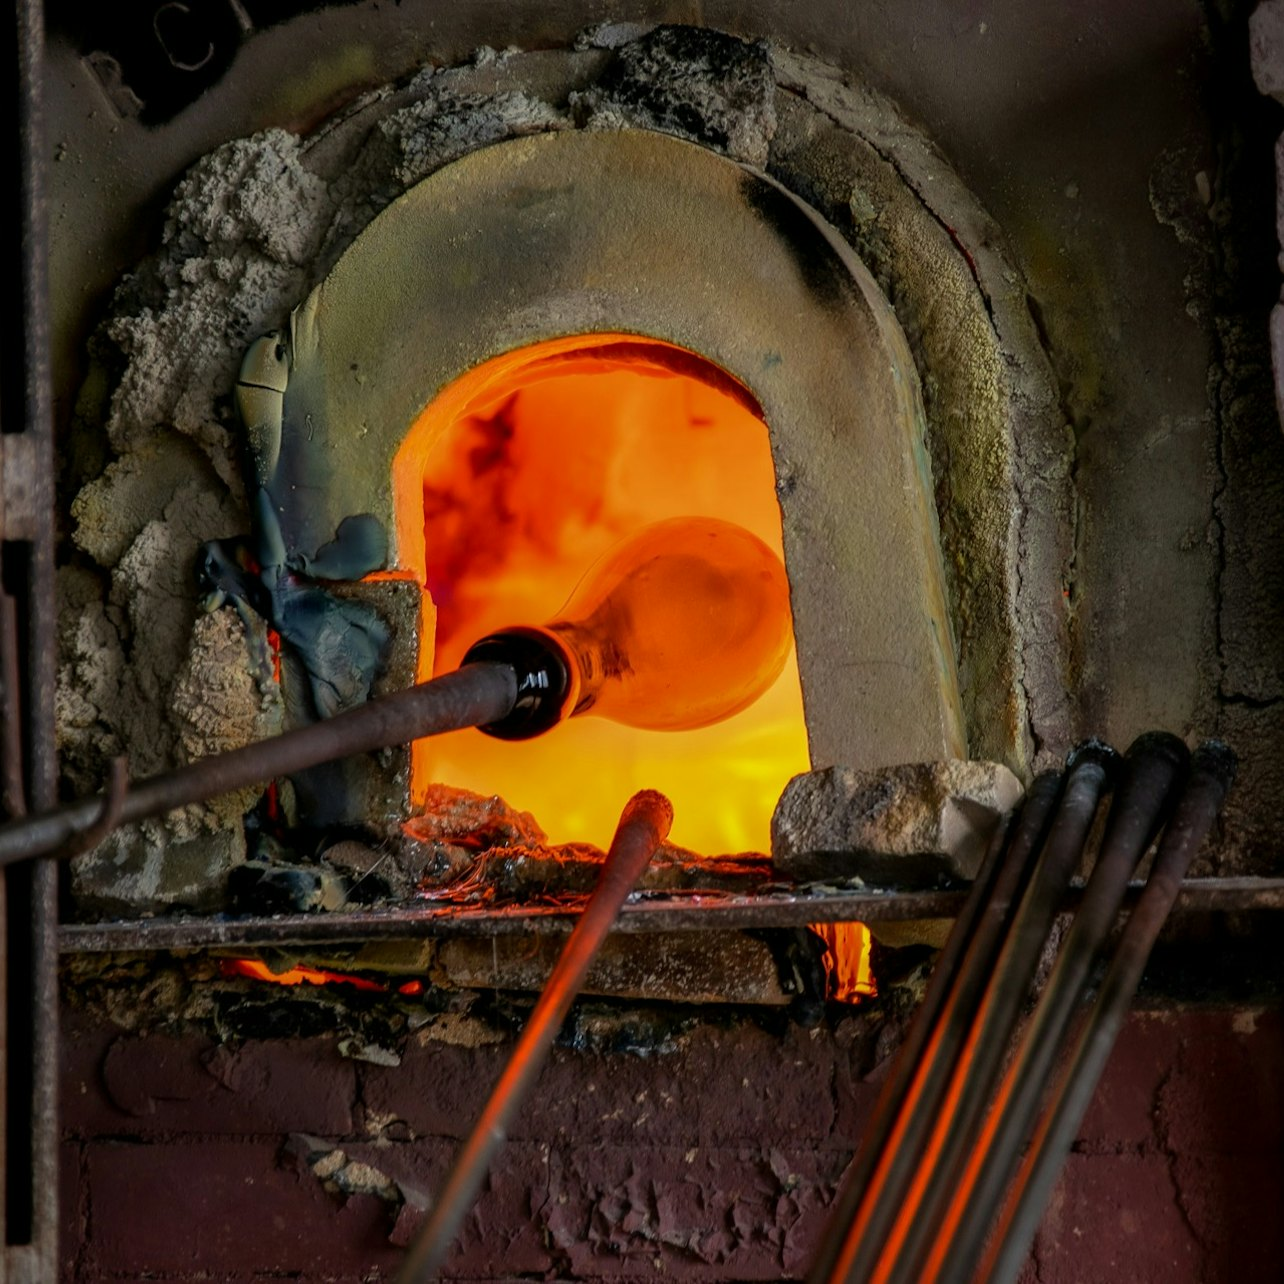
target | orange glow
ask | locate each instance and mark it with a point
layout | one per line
(847, 951)
(258, 971)
(515, 480)
(917, 1192)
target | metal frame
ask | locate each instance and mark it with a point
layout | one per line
(647, 912)
(29, 950)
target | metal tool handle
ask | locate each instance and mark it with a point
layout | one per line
(643, 827)
(1213, 768)
(472, 695)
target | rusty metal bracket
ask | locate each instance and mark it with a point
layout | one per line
(109, 817)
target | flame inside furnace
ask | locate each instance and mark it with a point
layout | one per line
(518, 483)
(517, 478)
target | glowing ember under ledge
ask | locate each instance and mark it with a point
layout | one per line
(256, 970)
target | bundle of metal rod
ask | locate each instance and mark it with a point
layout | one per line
(940, 1020)
(1033, 872)
(1212, 772)
(942, 1145)
(643, 826)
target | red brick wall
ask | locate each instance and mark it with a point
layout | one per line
(714, 1161)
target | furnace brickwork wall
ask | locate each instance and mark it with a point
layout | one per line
(185, 1159)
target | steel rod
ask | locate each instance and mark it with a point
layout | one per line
(4, 1053)
(883, 1118)
(32, 1223)
(13, 791)
(659, 912)
(949, 1245)
(643, 827)
(899, 1155)
(1035, 812)
(469, 697)
(947, 1131)
(13, 804)
(33, 228)
(1212, 771)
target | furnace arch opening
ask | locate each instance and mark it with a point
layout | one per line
(509, 485)
(639, 234)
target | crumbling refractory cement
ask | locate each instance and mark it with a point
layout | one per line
(249, 230)
(692, 82)
(259, 221)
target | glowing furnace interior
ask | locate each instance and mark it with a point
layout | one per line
(511, 483)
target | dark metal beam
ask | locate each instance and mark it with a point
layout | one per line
(693, 911)
(30, 1211)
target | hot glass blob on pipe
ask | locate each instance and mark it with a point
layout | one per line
(682, 625)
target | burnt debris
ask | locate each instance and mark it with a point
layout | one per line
(699, 84)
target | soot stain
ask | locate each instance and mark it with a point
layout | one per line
(822, 270)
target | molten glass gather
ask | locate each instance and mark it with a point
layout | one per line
(683, 625)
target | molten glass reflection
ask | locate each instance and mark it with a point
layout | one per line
(521, 475)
